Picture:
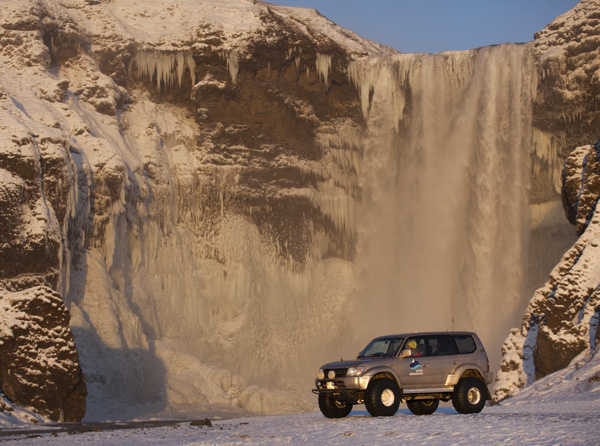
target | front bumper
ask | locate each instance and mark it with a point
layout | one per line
(349, 390)
(346, 383)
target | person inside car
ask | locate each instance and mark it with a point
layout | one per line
(412, 346)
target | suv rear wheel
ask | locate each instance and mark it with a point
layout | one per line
(332, 408)
(423, 407)
(468, 396)
(382, 398)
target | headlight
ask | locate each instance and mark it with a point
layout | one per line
(355, 371)
(321, 374)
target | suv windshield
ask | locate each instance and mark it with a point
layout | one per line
(381, 347)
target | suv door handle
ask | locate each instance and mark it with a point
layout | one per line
(455, 362)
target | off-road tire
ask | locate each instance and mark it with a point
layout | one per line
(332, 408)
(423, 407)
(468, 396)
(382, 398)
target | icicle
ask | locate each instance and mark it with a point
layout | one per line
(323, 67)
(364, 79)
(298, 58)
(340, 143)
(165, 66)
(334, 202)
(233, 65)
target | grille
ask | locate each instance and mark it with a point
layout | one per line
(339, 373)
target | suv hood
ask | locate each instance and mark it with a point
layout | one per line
(346, 364)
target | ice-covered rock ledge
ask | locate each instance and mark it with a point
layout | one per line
(561, 320)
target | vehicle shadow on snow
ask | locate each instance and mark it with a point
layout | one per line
(364, 414)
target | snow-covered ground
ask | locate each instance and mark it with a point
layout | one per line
(572, 422)
(560, 409)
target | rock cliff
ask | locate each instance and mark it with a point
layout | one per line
(39, 365)
(561, 321)
(183, 188)
(568, 94)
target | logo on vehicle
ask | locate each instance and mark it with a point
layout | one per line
(415, 365)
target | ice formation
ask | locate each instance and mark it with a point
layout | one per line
(546, 160)
(165, 67)
(341, 145)
(323, 66)
(233, 65)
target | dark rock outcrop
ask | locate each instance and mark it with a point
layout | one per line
(581, 185)
(39, 365)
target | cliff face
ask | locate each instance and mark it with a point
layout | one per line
(39, 365)
(561, 321)
(568, 94)
(187, 190)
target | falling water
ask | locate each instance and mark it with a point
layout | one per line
(442, 237)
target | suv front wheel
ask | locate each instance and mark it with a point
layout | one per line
(382, 398)
(468, 396)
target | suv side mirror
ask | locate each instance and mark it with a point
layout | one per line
(405, 353)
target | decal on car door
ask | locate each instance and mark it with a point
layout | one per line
(416, 368)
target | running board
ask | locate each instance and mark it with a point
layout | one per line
(429, 390)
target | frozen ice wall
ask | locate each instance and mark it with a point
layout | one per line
(442, 232)
(180, 309)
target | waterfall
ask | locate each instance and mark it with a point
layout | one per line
(442, 233)
(182, 304)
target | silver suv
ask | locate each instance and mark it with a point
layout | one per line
(417, 368)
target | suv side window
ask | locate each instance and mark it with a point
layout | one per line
(465, 344)
(441, 345)
(421, 347)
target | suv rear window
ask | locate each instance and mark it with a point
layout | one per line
(465, 344)
(441, 345)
